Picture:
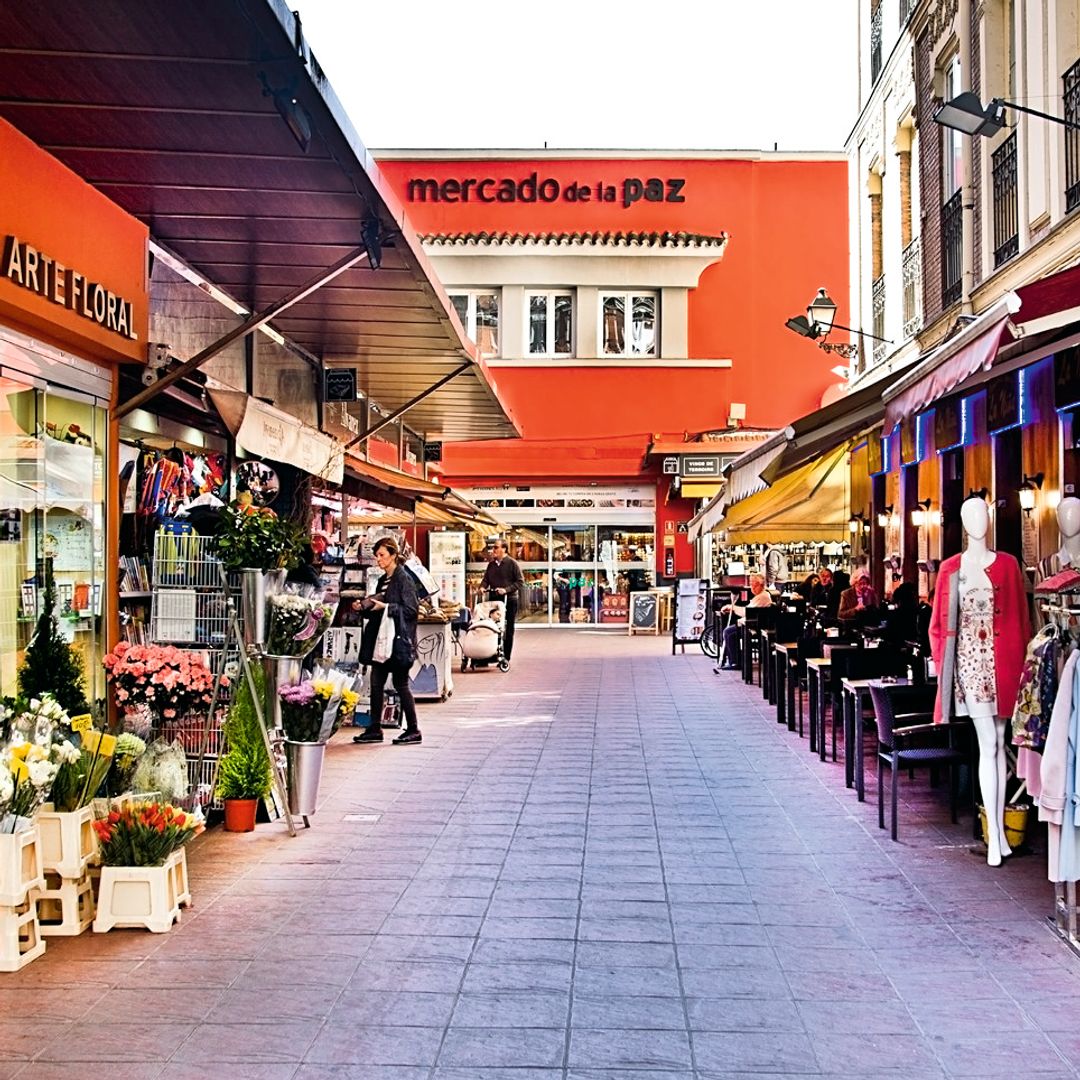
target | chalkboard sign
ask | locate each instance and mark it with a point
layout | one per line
(644, 612)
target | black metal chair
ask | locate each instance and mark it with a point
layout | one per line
(908, 738)
(754, 621)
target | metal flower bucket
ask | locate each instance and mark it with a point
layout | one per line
(304, 763)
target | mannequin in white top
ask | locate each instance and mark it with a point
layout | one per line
(975, 692)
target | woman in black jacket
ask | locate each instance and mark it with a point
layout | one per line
(395, 598)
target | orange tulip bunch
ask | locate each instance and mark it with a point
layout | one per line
(144, 834)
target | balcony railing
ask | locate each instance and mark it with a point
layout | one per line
(1072, 137)
(912, 288)
(952, 243)
(906, 8)
(878, 299)
(1006, 207)
(875, 42)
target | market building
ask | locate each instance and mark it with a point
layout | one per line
(631, 306)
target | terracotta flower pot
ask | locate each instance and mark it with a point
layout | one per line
(240, 815)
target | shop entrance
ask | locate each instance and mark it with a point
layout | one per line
(574, 574)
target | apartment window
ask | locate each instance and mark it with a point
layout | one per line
(629, 323)
(1072, 137)
(551, 323)
(875, 40)
(951, 140)
(478, 310)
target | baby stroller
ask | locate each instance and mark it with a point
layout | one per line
(479, 636)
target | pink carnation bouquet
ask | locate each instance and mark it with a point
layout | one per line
(168, 681)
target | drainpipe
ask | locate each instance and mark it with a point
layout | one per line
(967, 197)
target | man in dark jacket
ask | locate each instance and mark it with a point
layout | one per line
(503, 580)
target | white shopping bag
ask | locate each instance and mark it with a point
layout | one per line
(384, 643)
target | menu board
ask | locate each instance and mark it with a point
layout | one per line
(643, 611)
(691, 605)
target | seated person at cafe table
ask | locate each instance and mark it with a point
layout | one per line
(731, 654)
(859, 605)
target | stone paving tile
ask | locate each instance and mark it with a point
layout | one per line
(646, 879)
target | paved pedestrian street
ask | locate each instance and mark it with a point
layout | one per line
(607, 864)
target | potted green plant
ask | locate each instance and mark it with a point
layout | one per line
(262, 547)
(244, 771)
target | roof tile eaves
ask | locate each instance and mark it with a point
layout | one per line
(623, 239)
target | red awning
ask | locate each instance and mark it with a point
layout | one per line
(1050, 303)
(971, 350)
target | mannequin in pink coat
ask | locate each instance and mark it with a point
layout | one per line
(975, 694)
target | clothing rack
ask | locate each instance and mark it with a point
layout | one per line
(1065, 919)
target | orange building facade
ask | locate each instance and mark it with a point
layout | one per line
(624, 302)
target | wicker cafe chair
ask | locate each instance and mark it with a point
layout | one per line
(908, 738)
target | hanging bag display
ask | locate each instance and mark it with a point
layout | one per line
(384, 642)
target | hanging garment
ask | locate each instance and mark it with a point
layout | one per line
(1038, 688)
(1054, 763)
(1011, 631)
(1069, 854)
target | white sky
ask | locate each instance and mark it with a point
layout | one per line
(662, 74)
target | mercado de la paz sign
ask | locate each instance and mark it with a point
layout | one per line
(488, 189)
(24, 265)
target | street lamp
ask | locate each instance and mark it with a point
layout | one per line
(819, 321)
(1027, 491)
(967, 114)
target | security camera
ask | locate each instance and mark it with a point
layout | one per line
(157, 354)
(150, 376)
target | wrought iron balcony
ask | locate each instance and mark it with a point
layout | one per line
(913, 288)
(906, 8)
(952, 243)
(1072, 137)
(1006, 206)
(878, 299)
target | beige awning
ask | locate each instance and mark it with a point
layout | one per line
(267, 432)
(810, 503)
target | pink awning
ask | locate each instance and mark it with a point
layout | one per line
(972, 350)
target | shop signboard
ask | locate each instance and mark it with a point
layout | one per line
(671, 466)
(339, 384)
(701, 465)
(909, 441)
(691, 605)
(876, 453)
(433, 451)
(72, 262)
(1003, 403)
(1067, 378)
(948, 424)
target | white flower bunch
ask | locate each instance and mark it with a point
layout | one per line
(67, 752)
(42, 721)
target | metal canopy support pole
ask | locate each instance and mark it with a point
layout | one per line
(250, 324)
(409, 404)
